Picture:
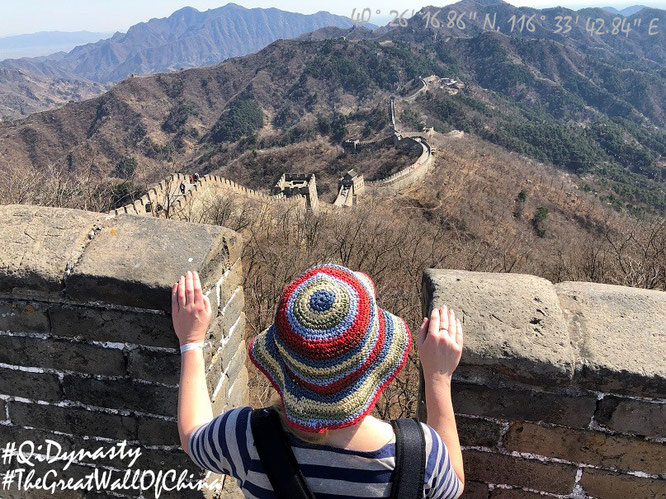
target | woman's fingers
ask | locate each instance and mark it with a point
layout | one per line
(459, 333)
(452, 324)
(433, 326)
(189, 288)
(181, 292)
(206, 302)
(444, 318)
(198, 295)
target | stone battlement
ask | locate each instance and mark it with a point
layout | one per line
(561, 388)
(167, 194)
(408, 175)
(88, 355)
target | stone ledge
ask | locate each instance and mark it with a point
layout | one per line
(513, 323)
(92, 257)
(594, 336)
(620, 336)
(39, 244)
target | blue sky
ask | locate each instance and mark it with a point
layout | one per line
(29, 16)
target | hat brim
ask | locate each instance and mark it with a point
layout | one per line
(313, 412)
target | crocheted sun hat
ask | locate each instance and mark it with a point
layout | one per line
(331, 350)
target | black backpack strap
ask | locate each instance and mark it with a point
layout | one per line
(276, 455)
(409, 471)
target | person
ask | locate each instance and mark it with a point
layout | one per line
(196, 177)
(329, 353)
(182, 188)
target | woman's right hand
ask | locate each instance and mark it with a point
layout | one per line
(190, 309)
(440, 344)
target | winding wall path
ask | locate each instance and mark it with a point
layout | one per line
(167, 194)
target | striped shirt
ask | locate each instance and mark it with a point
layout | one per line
(225, 445)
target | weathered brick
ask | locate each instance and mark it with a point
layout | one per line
(40, 386)
(238, 392)
(113, 325)
(100, 494)
(232, 281)
(476, 490)
(220, 400)
(632, 416)
(153, 431)
(220, 329)
(75, 420)
(214, 337)
(527, 405)
(122, 394)
(589, 447)
(477, 432)
(214, 372)
(61, 354)
(156, 366)
(600, 483)
(514, 494)
(19, 434)
(52, 472)
(502, 469)
(232, 311)
(24, 316)
(233, 345)
(237, 361)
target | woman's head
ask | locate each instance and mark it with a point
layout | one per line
(331, 350)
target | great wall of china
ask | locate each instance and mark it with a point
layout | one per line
(165, 199)
(560, 392)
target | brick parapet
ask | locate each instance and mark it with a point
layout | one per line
(561, 388)
(88, 355)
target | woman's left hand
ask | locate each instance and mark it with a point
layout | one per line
(190, 309)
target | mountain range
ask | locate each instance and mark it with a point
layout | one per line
(592, 105)
(187, 38)
(627, 11)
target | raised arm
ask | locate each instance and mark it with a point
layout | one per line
(191, 313)
(440, 348)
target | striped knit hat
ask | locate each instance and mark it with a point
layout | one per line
(331, 350)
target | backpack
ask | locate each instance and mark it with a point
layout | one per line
(285, 475)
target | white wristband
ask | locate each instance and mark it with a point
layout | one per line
(190, 346)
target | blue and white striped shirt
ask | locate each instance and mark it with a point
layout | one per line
(225, 445)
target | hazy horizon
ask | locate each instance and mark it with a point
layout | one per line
(35, 16)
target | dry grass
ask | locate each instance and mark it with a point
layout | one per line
(461, 217)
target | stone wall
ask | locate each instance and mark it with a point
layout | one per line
(167, 194)
(407, 176)
(88, 355)
(561, 389)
